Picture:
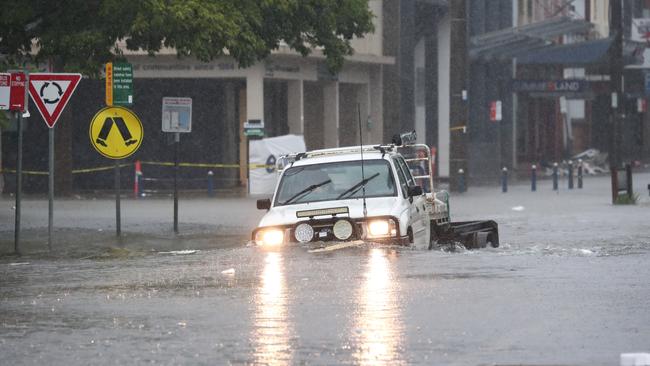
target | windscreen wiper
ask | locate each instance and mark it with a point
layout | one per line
(306, 191)
(352, 190)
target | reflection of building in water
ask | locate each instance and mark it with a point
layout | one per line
(378, 327)
(270, 329)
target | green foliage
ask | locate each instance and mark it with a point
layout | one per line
(625, 199)
(80, 35)
(4, 121)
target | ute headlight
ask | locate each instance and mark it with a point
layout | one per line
(342, 229)
(382, 228)
(271, 237)
(304, 233)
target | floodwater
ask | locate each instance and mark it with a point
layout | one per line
(569, 286)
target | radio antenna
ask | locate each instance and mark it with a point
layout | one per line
(363, 177)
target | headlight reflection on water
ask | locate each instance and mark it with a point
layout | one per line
(379, 318)
(270, 330)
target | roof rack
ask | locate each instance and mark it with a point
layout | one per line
(287, 159)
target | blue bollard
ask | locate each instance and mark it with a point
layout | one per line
(139, 176)
(555, 176)
(580, 174)
(570, 174)
(504, 180)
(210, 183)
(533, 178)
(461, 180)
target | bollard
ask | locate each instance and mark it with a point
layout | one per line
(533, 178)
(580, 174)
(137, 189)
(210, 183)
(555, 176)
(570, 174)
(504, 180)
(461, 180)
(628, 178)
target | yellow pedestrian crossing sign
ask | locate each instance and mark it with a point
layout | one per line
(116, 132)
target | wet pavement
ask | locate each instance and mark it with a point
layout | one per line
(569, 286)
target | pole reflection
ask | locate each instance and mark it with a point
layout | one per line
(379, 326)
(271, 331)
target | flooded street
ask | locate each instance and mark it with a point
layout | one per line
(568, 289)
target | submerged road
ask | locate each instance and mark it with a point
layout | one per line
(569, 286)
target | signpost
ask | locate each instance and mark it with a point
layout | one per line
(5, 89)
(119, 84)
(51, 93)
(176, 119)
(17, 103)
(116, 133)
(253, 128)
(495, 111)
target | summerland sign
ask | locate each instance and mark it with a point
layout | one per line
(551, 87)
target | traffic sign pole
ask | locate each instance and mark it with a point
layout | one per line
(177, 138)
(19, 180)
(118, 218)
(50, 189)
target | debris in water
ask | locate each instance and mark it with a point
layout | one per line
(518, 208)
(228, 272)
(180, 252)
(19, 264)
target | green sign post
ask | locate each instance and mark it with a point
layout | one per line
(119, 84)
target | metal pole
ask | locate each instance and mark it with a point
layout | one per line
(533, 178)
(19, 180)
(580, 174)
(248, 166)
(177, 138)
(458, 87)
(617, 110)
(570, 174)
(50, 190)
(118, 218)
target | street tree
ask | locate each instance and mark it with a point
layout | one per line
(81, 35)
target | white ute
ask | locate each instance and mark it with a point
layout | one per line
(369, 194)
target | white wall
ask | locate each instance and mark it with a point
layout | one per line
(371, 44)
(419, 92)
(444, 51)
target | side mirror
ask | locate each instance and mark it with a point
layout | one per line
(415, 191)
(264, 204)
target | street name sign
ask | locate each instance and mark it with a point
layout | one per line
(116, 132)
(177, 115)
(119, 84)
(51, 93)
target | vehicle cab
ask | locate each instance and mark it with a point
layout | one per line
(346, 194)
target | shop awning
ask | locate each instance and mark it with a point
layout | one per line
(575, 54)
(512, 42)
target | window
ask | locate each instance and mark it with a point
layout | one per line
(335, 181)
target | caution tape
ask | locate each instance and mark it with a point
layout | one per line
(28, 172)
(98, 169)
(459, 128)
(155, 163)
(206, 165)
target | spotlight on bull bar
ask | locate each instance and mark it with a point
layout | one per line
(406, 138)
